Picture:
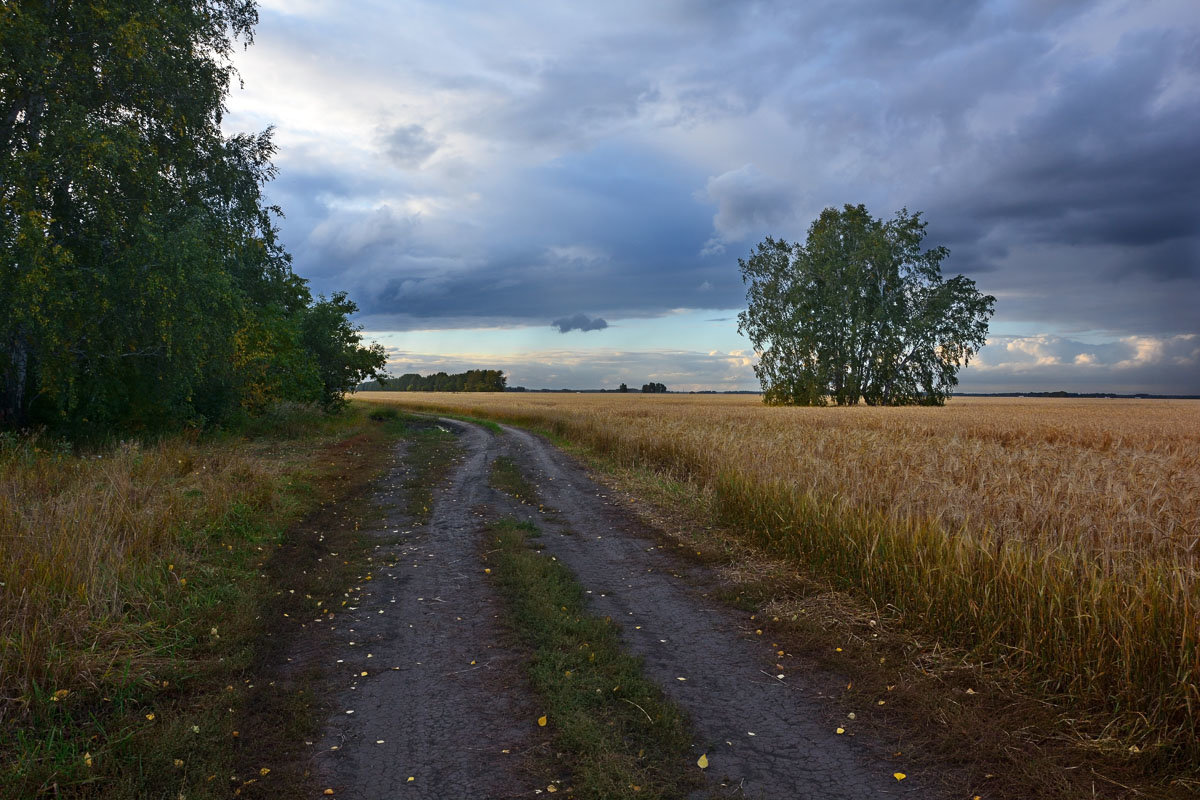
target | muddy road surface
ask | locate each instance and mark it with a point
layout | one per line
(435, 702)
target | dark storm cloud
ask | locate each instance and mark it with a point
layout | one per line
(1102, 162)
(511, 163)
(408, 145)
(579, 322)
(399, 268)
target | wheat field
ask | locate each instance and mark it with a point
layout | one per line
(1060, 537)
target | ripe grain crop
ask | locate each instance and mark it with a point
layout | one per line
(1060, 537)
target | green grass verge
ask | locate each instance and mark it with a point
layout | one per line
(614, 729)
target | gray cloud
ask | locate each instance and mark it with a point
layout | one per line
(604, 157)
(579, 322)
(747, 202)
(408, 146)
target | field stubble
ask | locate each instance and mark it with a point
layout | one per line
(1058, 537)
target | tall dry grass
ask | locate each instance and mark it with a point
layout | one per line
(95, 549)
(1061, 537)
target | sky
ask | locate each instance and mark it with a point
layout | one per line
(563, 190)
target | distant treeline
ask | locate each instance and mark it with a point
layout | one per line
(473, 380)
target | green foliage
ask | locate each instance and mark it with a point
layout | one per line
(859, 311)
(654, 388)
(141, 280)
(340, 360)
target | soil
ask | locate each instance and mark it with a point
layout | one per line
(444, 709)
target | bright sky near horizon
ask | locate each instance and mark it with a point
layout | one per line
(562, 190)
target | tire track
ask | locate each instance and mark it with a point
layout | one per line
(444, 700)
(764, 735)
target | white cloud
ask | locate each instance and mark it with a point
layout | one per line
(1154, 364)
(479, 164)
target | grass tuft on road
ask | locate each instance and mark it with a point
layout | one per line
(430, 455)
(508, 478)
(615, 731)
(483, 422)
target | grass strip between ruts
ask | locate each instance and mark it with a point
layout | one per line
(431, 454)
(508, 478)
(614, 729)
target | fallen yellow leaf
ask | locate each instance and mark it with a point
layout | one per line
(150, 717)
(840, 731)
(410, 779)
(264, 771)
(328, 791)
(552, 788)
(87, 759)
(899, 776)
(702, 762)
(542, 721)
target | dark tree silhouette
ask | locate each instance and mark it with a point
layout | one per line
(859, 311)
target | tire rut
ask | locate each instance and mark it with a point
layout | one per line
(764, 735)
(424, 710)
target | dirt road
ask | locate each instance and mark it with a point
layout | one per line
(435, 703)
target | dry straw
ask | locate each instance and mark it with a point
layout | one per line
(92, 547)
